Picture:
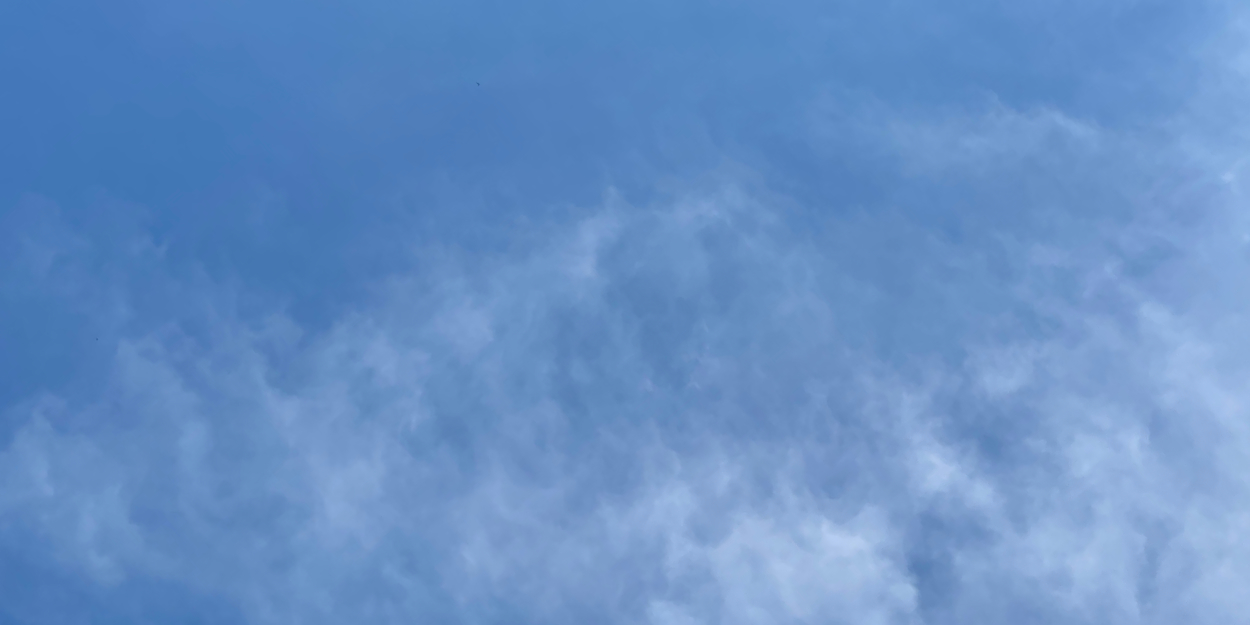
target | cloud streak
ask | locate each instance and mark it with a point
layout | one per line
(1009, 389)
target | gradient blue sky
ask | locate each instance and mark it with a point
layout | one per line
(691, 312)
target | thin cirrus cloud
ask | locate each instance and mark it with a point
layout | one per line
(926, 354)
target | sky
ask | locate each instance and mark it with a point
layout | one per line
(658, 313)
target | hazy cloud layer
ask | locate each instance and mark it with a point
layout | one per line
(1001, 379)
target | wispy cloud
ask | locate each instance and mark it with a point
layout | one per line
(1008, 388)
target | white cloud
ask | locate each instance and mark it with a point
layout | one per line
(691, 413)
(749, 467)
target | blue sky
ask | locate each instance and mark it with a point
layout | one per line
(658, 313)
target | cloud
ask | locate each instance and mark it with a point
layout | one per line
(655, 415)
(724, 406)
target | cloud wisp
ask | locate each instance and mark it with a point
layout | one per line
(1007, 388)
(681, 414)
